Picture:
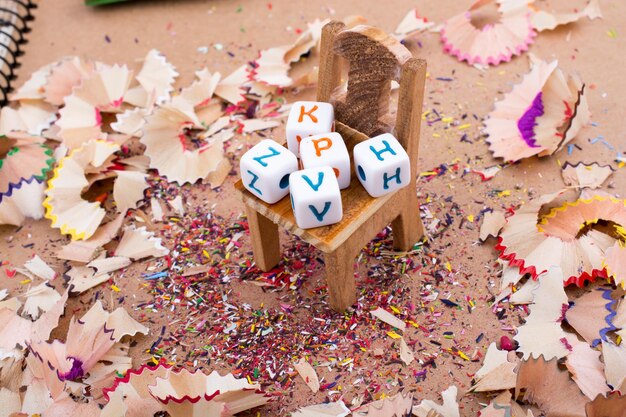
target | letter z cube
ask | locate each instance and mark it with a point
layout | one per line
(265, 170)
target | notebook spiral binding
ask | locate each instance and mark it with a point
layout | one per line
(15, 16)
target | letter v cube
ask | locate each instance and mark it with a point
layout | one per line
(382, 165)
(308, 118)
(265, 170)
(315, 197)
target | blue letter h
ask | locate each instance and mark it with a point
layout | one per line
(386, 178)
(387, 148)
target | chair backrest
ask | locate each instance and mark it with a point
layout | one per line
(375, 59)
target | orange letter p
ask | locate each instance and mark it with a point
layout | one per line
(318, 148)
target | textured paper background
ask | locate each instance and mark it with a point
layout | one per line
(179, 28)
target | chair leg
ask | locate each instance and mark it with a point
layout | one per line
(265, 240)
(340, 278)
(407, 227)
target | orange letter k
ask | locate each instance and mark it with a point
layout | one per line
(307, 113)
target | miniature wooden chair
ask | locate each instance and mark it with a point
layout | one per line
(375, 59)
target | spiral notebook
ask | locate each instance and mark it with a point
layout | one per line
(15, 17)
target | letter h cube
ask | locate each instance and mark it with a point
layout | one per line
(382, 165)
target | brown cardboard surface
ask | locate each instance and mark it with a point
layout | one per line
(180, 29)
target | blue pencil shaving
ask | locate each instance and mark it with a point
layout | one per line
(597, 138)
(157, 275)
(608, 145)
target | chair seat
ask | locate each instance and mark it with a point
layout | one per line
(358, 207)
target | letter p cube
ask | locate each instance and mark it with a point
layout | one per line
(265, 170)
(308, 118)
(327, 149)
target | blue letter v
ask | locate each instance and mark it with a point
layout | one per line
(320, 178)
(318, 215)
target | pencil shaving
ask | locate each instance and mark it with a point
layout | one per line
(64, 203)
(80, 119)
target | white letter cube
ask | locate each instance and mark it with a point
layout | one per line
(265, 170)
(327, 149)
(382, 165)
(308, 118)
(315, 197)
